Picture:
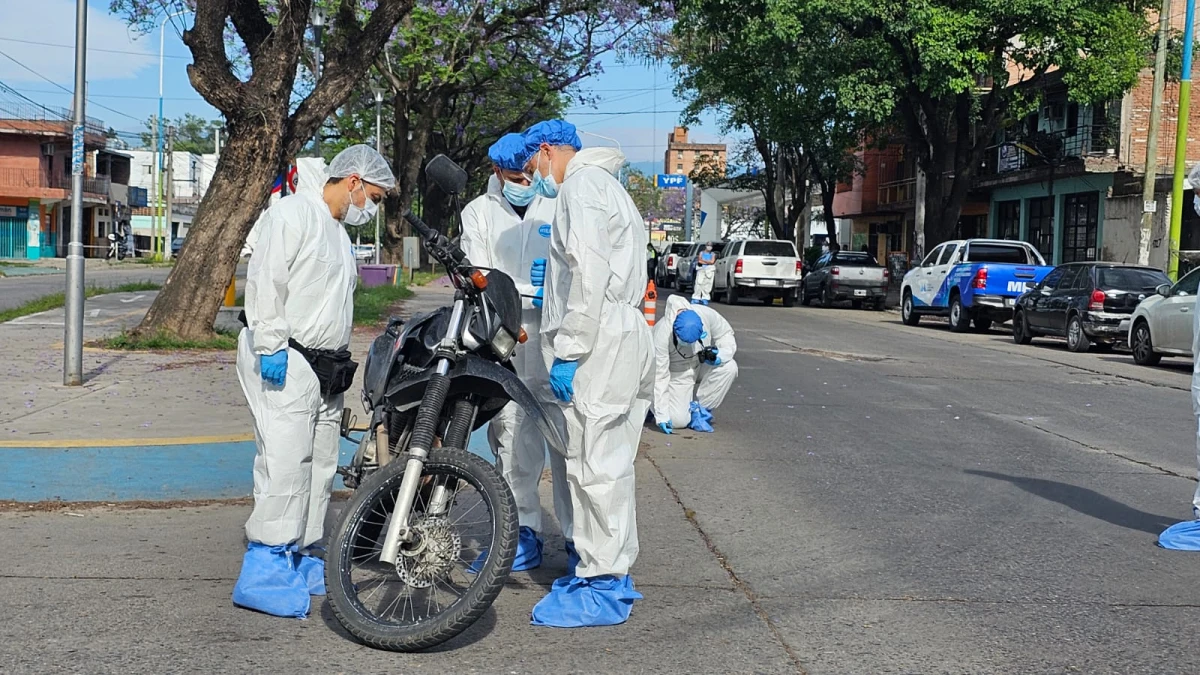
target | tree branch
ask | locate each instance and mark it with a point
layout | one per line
(251, 25)
(210, 72)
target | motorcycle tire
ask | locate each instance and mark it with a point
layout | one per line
(485, 583)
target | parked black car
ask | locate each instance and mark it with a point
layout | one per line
(1084, 303)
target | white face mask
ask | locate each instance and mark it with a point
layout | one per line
(360, 215)
(1196, 203)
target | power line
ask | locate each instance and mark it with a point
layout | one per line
(89, 100)
(123, 96)
(92, 49)
(647, 111)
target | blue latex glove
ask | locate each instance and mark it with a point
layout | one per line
(274, 367)
(537, 272)
(537, 298)
(716, 360)
(666, 427)
(562, 379)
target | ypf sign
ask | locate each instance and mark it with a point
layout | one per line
(671, 180)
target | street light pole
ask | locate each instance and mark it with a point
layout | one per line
(379, 149)
(73, 324)
(318, 24)
(158, 144)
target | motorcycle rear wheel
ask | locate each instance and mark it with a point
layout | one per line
(366, 594)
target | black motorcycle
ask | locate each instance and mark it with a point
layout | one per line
(424, 545)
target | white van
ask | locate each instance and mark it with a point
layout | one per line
(764, 269)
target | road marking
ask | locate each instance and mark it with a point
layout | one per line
(94, 313)
(129, 442)
(133, 299)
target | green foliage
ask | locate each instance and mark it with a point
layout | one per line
(165, 342)
(192, 134)
(372, 305)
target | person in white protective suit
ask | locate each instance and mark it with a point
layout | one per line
(706, 271)
(598, 349)
(508, 229)
(694, 366)
(299, 313)
(310, 175)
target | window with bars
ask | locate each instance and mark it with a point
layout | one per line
(1041, 226)
(1081, 226)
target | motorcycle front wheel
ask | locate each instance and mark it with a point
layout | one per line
(443, 580)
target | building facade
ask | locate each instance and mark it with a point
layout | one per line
(36, 181)
(684, 157)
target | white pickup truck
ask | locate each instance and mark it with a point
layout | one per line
(764, 269)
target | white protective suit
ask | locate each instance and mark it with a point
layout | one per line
(595, 284)
(679, 377)
(703, 283)
(1196, 393)
(300, 285)
(495, 236)
(310, 175)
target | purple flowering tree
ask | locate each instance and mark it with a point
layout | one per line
(245, 62)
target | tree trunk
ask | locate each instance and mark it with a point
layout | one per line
(827, 196)
(187, 305)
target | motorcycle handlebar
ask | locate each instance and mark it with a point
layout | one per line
(447, 253)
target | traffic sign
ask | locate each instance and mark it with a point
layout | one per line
(672, 180)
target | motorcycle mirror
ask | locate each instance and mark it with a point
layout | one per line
(448, 176)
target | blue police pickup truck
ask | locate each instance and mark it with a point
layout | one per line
(976, 281)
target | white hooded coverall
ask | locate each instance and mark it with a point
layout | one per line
(300, 285)
(495, 236)
(1196, 391)
(679, 377)
(595, 284)
(311, 174)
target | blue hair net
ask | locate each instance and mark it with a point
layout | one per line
(688, 326)
(552, 132)
(510, 152)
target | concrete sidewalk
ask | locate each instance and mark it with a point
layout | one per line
(143, 425)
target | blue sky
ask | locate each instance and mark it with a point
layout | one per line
(637, 107)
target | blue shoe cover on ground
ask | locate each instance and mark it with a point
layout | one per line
(529, 551)
(576, 602)
(700, 418)
(312, 569)
(696, 301)
(1183, 536)
(270, 583)
(572, 558)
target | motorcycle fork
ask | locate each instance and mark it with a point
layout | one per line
(428, 414)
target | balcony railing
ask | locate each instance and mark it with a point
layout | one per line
(23, 111)
(897, 193)
(34, 178)
(1052, 148)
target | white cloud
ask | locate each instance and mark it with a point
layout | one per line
(53, 23)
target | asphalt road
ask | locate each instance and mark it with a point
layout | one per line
(876, 499)
(18, 290)
(907, 500)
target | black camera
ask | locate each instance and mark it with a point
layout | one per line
(708, 355)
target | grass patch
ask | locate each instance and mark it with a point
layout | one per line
(163, 342)
(56, 300)
(372, 305)
(422, 278)
(15, 264)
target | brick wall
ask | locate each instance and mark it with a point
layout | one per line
(1137, 125)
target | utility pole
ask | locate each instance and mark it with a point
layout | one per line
(379, 149)
(73, 324)
(918, 215)
(318, 24)
(1181, 129)
(688, 198)
(1149, 205)
(154, 193)
(217, 141)
(168, 234)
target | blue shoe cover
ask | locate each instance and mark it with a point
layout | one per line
(705, 413)
(704, 302)
(699, 423)
(1183, 536)
(575, 602)
(529, 551)
(572, 559)
(312, 569)
(696, 301)
(270, 583)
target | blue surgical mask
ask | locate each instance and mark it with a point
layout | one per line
(546, 186)
(704, 335)
(517, 194)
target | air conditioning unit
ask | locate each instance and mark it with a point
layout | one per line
(47, 149)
